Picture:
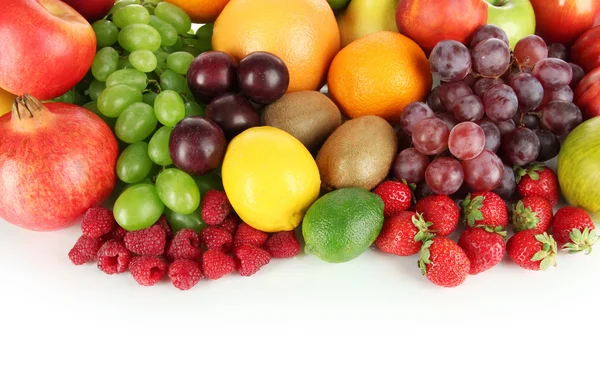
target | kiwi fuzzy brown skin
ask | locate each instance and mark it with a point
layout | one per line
(359, 153)
(309, 116)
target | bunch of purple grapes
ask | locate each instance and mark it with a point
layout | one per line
(494, 109)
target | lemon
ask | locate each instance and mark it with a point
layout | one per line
(6, 101)
(270, 178)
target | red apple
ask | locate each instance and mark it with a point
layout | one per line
(429, 21)
(56, 161)
(46, 47)
(92, 10)
(563, 21)
(597, 18)
(586, 50)
(587, 94)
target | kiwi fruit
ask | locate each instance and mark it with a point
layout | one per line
(359, 153)
(309, 116)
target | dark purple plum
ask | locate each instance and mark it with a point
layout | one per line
(263, 77)
(197, 145)
(211, 74)
(233, 113)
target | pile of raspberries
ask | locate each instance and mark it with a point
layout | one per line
(224, 246)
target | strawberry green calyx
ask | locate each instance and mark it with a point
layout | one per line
(581, 241)
(547, 256)
(523, 218)
(472, 209)
(412, 187)
(424, 233)
(498, 230)
(424, 257)
(531, 170)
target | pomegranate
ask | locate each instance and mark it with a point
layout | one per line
(56, 161)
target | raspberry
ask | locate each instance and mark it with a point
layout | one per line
(215, 207)
(147, 270)
(216, 264)
(113, 257)
(247, 235)
(251, 259)
(85, 250)
(283, 245)
(149, 241)
(97, 221)
(185, 245)
(185, 274)
(163, 223)
(230, 223)
(215, 238)
(117, 233)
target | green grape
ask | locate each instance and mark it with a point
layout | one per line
(168, 33)
(210, 181)
(68, 97)
(175, 16)
(106, 33)
(161, 59)
(134, 164)
(149, 98)
(96, 87)
(158, 148)
(136, 123)
(205, 32)
(178, 191)
(179, 62)
(139, 37)
(192, 108)
(122, 3)
(138, 207)
(169, 80)
(113, 100)
(169, 107)
(185, 221)
(131, 14)
(193, 51)
(146, 180)
(124, 63)
(93, 106)
(143, 60)
(131, 77)
(80, 98)
(177, 46)
(105, 63)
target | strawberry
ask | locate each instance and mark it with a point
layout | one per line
(402, 234)
(485, 209)
(441, 211)
(538, 181)
(485, 247)
(397, 197)
(533, 213)
(574, 230)
(532, 250)
(444, 262)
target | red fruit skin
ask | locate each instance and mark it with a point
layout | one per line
(543, 210)
(521, 247)
(426, 21)
(247, 235)
(185, 245)
(587, 94)
(47, 47)
(215, 238)
(546, 186)
(92, 10)
(250, 259)
(148, 241)
(215, 207)
(48, 179)
(563, 21)
(147, 270)
(216, 264)
(484, 249)
(283, 245)
(396, 197)
(495, 212)
(398, 235)
(441, 211)
(97, 222)
(113, 257)
(586, 50)
(449, 263)
(230, 223)
(85, 250)
(565, 220)
(185, 274)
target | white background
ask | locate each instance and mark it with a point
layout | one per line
(372, 322)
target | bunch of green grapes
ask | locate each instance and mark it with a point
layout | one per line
(137, 84)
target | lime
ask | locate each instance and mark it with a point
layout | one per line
(343, 224)
(337, 4)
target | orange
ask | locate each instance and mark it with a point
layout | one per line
(201, 11)
(303, 33)
(379, 75)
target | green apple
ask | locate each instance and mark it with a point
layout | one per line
(364, 17)
(515, 17)
(337, 4)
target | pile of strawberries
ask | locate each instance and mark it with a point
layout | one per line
(486, 216)
(224, 246)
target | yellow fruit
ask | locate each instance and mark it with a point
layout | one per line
(201, 11)
(6, 101)
(270, 178)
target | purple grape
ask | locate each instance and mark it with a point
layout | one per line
(553, 73)
(488, 31)
(492, 135)
(430, 136)
(506, 126)
(404, 140)
(448, 118)
(564, 94)
(549, 145)
(491, 58)
(529, 91)
(578, 74)
(423, 190)
(529, 51)
(211, 74)
(434, 101)
(444, 176)
(410, 165)
(468, 108)
(197, 145)
(508, 186)
(466, 141)
(470, 79)
(521, 146)
(233, 113)
(412, 114)
(451, 92)
(559, 51)
(500, 103)
(560, 117)
(531, 121)
(450, 60)
(483, 173)
(484, 84)
(263, 77)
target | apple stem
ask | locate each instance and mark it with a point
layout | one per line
(26, 106)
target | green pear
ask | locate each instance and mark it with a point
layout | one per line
(363, 17)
